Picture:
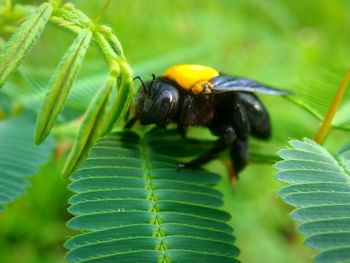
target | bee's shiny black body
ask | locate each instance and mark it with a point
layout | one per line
(228, 107)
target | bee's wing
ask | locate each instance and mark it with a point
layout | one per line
(223, 83)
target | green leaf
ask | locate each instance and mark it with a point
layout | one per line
(112, 40)
(315, 94)
(22, 41)
(132, 205)
(90, 128)
(60, 84)
(320, 190)
(121, 102)
(29, 88)
(19, 157)
(344, 156)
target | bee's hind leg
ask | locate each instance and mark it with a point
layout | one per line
(239, 157)
(226, 139)
(239, 154)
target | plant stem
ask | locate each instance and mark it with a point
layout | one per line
(102, 11)
(326, 124)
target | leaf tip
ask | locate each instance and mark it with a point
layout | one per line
(38, 138)
(40, 134)
(67, 169)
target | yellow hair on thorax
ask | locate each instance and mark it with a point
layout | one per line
(191, 77)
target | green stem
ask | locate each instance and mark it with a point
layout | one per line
(152, 197)
(102, 11)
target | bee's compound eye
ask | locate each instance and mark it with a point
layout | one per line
(166, 100)
(163, 101)
(166, 97)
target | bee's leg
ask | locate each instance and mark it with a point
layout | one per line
(239, 154)
(232, 175)
(186, 117)
(239, 158)
(182, 130)
(226, 139)
(130, 123)
(239, 148)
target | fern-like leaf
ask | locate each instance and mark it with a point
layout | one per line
(320, 190)
(19, 157)
(314, 93)
(134, 206)
(22, 41)
(61, 83)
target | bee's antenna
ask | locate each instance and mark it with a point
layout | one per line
(153, 80)
(142, 83)
(147, 89)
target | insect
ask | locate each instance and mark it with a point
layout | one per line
(199, 95)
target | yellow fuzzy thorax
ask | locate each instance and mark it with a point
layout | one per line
(191, 77)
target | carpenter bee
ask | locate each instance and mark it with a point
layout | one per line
(199, 95)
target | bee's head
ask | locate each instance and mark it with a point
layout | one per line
(156, 102)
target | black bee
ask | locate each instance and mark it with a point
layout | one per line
(199, 95)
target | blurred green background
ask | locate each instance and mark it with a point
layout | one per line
(283, 43)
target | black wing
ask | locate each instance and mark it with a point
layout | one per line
(224, 83)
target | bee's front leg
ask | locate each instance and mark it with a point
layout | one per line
(130, 123)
